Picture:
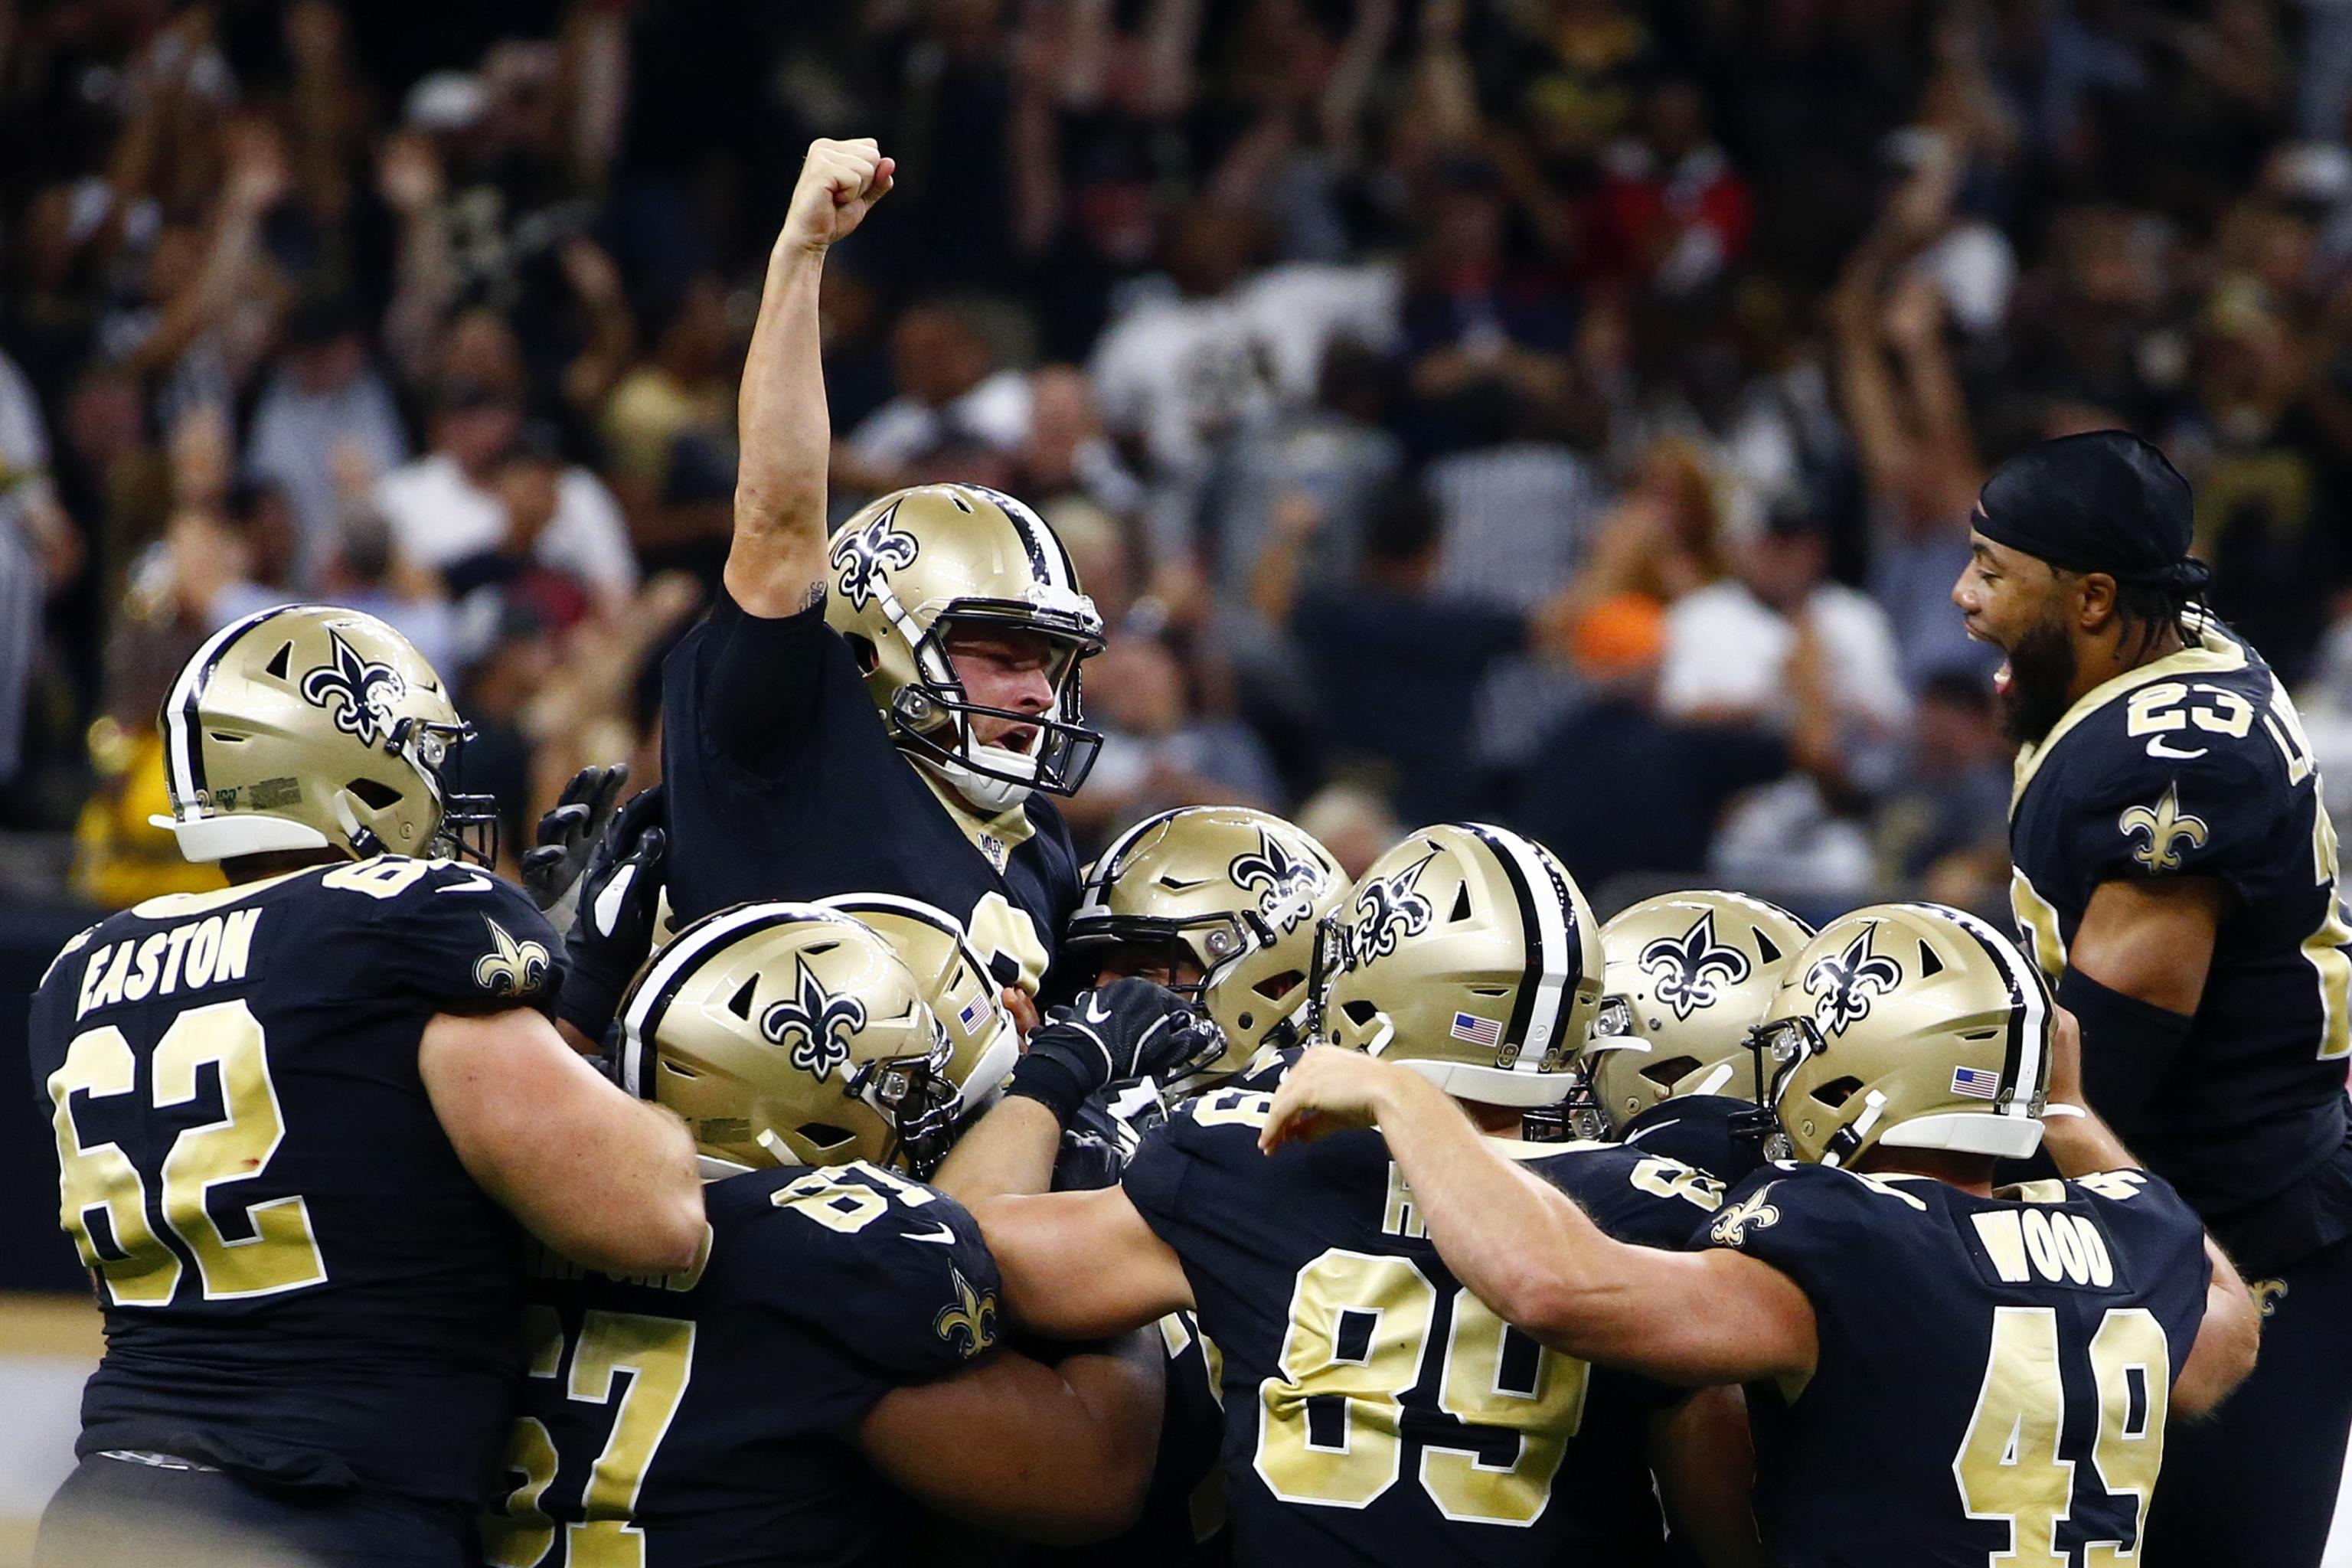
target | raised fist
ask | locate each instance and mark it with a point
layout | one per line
(839, 183)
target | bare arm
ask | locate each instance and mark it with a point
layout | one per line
(2152, 940)
(2227, 1341)
(1527, 1251)
(778, 555)
(605, 1180)
(1008, 1152)
(1057, 1453)
(1705, 1463)
(1078, 1266)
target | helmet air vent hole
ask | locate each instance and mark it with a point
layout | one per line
(1275, 987)
(741, 1003)
(224, 738)
(962, 505)
(279, 661)
(374, 793)
(819, 948)
(1837, 1091)
(824, 1135)
(1974, 1035)
(1766, 949)
(1460, 904)
(1670, 1072)
(1360, 1012)
(1490, 990)
(1928, 962)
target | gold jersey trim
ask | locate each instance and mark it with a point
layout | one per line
(2214, 654)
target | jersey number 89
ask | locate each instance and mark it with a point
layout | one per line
(1330, 1428)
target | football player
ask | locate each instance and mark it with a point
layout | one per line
(886, 711)
(1670, 1065)
(1939, 1372)
(839, 1333)
(1375, 1411)
(2176, 879)
(297, 1118)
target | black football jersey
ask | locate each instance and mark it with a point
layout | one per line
(301, 1284)
(691, 1420)
(1993, 1372)
(1375, 1411)
(2195, 765)
(1712, 1132)
(782, 783)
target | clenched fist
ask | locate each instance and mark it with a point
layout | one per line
(839, 183)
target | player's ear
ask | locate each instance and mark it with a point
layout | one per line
(2094, 595)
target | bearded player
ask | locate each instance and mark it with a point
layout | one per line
(2176, 878)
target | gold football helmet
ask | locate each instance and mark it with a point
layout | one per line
(1689, 974)
(309, 727)
(1237, 893)
(954, 979)
(1913, 1025)
(909, 567)
(1469, 955)
(791, 1035)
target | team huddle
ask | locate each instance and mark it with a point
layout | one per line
(859, 1178)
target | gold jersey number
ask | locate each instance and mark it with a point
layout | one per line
(278, 1251)
(657, 1356)
(1330, 1426)
(2009, 1466)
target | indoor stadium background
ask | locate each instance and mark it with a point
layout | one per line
(1561, 412)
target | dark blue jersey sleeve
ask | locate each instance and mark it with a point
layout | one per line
(749, 684)
(455, 936)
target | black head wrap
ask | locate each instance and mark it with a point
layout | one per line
(2106, 501)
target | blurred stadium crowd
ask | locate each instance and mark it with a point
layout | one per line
(1564, 412)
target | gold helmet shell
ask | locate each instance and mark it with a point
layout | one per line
(1912, 1026)
(1689, 975)
(309, 727)
(1242, 892)
(908, 568)
(792, 1034)
(954, 979)
(1468, 954)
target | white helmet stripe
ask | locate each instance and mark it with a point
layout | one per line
(2025, 985)
(182, 761)
(1556, 950)
(653, 993)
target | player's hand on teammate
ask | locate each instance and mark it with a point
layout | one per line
(839, 183)
(1125, 1030)
(569, 832)
(620, 900)
(1327, 1090)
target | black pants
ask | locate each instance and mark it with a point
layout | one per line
(114, 1513)
(2256, 1483)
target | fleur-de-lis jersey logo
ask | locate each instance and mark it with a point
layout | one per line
(1690, 971)
(2167, 826)
(970, 1318)
(511, 968)
(1285, 886)
(2267, 1294)
(1751, 1213)
(866, 556)
(1386, 910)
(1843, 982)
(814, 1022)
(358, 692)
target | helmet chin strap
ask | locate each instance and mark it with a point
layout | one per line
(990, 796)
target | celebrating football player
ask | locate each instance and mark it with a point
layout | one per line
(1939, 1372)
(885, 711)
(839, 1333)
(2176, 879)
(1669, 1065)
(297, 1119)
(1374, 1411)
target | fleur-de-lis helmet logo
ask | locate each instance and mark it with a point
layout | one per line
(866, 556)
(1689, 972)
(1842, 984)
(1751, 1213)
(814, 1022)
(1386, 910)
(1285, 886)
(2167, 826)
(511, 968)
(356, 691)
(970, 1317)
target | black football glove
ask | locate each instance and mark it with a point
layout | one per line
(569, 833)
(1127, 1029)
(620, 897)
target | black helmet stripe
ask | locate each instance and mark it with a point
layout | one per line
(183, 744)
(1551, 959)
(2020, 1067)
(642, 1013)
